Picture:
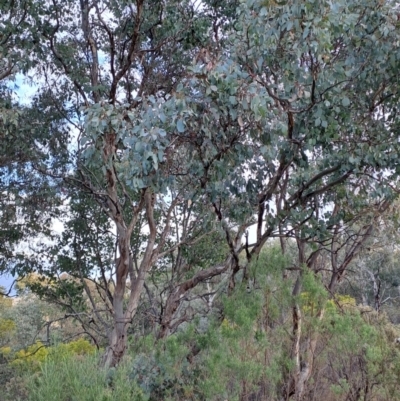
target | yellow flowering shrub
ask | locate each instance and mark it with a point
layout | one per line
(309, 306)
(32, 357)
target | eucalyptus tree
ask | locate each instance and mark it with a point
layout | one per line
(318, 100)
(310, 95)
(113, 71)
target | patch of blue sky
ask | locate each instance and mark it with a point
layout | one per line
(24, 89)
(6, 281)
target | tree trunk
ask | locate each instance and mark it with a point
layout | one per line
(124, 266)
(118, 336)
(117, 346)
(305, 360)
(122, 319)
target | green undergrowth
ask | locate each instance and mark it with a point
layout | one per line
(82, 379)
(241, 352)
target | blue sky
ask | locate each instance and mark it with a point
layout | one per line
(6, 281)
(24, 90)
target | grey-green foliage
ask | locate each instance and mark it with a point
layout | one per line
(309, 87)
(40, 40)
(311, 90)
(166, 374)
(327, 66)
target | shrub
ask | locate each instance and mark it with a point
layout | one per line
(33, 357)
(68, 378)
